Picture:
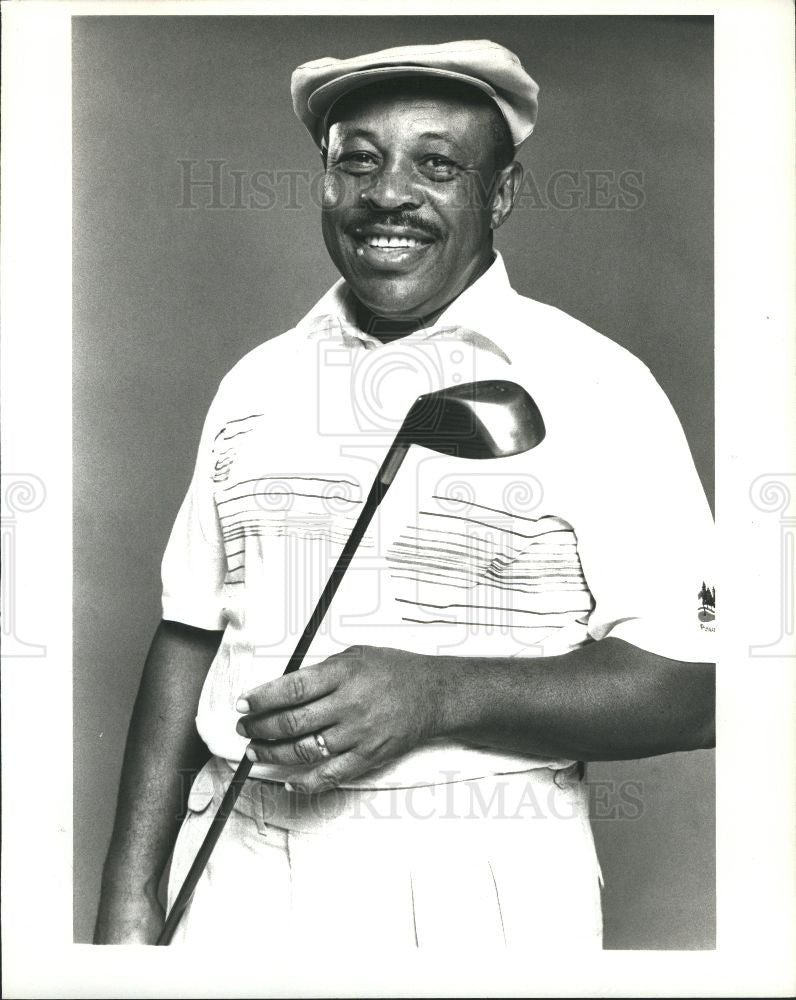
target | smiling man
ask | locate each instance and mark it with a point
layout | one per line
(418, 781)
(410, 225)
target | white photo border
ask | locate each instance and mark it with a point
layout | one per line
(755, 437)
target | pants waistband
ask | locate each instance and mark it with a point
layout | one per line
(540, 793)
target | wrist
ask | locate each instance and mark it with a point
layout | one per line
(443, 694)
(128, 917)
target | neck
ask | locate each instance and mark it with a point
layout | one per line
(388, 328)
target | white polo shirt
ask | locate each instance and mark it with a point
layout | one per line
(602, 529)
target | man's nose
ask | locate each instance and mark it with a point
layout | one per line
(391, 188)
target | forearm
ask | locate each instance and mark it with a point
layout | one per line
(163, 748)
(608, 700)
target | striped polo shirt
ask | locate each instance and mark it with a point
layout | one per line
(602, 529)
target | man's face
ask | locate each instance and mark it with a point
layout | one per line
(407, 214)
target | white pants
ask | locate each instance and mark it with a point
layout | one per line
(503, 860)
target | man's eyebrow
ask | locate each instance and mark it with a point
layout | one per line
(364, 133)
(443, 137)
(358, 133)
(446, 136)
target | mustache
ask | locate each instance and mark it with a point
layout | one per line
(407, 220)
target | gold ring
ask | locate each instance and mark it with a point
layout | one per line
(321, 744)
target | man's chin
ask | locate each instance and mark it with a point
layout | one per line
(393, 301)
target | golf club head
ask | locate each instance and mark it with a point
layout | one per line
(488, 419)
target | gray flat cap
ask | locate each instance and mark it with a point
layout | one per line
(315, 86)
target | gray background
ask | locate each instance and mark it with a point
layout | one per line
(166, 299)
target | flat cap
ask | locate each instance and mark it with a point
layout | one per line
(315, 86)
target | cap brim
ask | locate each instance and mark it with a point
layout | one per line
(322, 100)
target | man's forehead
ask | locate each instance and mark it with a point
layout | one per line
(427, 113)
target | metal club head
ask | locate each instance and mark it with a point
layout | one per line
(488, 419)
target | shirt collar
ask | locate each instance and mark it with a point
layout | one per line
(475, 316)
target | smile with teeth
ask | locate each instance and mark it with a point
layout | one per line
(393, 242)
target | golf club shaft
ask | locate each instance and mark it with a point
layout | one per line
(381, 484)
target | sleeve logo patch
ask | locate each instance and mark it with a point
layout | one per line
(706, 611)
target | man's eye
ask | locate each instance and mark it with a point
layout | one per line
(357, 163)
(440, 167)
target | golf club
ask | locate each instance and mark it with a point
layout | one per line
(475, 420)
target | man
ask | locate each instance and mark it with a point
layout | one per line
(416, 783)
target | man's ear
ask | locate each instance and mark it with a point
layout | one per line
(507, 184)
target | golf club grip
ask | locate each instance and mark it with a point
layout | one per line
(376, 495)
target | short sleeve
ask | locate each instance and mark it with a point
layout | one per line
(646, 544)
(194, 563)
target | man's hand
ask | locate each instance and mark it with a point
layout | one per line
(134, 920)
(369, 704)
(606, 700)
